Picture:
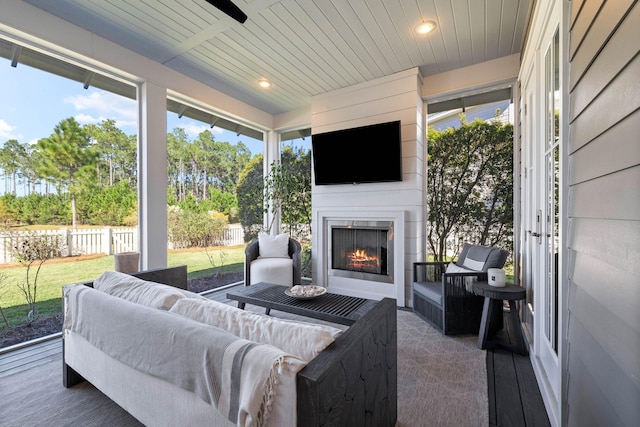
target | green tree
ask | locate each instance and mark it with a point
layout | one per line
(12, 155)
(177, 159)
(116, 152)
(68, 159)
(290, 185)
(31, 168)
(249, 192)
(470, 184)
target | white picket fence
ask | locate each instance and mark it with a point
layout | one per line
(106, 240)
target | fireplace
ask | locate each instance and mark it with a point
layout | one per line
(361, 250)
(361, 253)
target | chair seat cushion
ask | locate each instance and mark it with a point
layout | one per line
(272, 270)
(430, 290)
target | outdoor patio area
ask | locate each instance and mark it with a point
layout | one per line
(513, 395)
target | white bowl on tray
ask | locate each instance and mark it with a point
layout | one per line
(305, 291)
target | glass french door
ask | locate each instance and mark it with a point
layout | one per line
(541, 178)
(531, 214)
(548, 322)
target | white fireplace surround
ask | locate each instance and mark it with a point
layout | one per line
(359, 287)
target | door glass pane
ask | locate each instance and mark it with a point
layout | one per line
(552, 166)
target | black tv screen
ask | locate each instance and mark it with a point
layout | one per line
(358, 155)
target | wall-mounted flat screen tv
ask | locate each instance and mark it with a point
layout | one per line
(358, 155)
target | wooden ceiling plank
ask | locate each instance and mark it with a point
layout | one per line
(300, 23)
(373, 33)
(269, 41)
(493, 16)
(507, 27)
(436, 41)
(477, 20)
(303, 47)
(405, 39)
(343, 51)
(343, 26)
(462, 21)
(448, 30)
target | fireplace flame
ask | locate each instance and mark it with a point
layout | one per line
(360, 260)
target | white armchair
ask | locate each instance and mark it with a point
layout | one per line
(284, 268)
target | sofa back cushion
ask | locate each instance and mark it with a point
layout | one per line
(481, 258)
(303, 340)
(151, 294)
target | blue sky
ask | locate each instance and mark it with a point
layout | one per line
(34, 102)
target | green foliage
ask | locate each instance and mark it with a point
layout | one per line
(470, 185)
(35, 208)
(287, 187)
(188, 228)
(68, 160)
(116, 153)
(202, 166)
(108, 205)
(250, 196)
(13, 156)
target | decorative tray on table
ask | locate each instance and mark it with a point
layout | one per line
(305, 291)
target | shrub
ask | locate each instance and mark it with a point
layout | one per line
(194, 229)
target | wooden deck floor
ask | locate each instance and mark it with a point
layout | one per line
(514, 396)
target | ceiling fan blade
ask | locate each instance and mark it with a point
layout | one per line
(230, 9)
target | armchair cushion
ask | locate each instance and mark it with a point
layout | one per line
(454, 268)
(273, 246)
(272, 270)
(481, 258)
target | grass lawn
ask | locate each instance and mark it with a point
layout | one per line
(56, 273)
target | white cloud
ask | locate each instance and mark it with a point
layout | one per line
(104, 104)
(193, 130)
(85, 119)
(6, 131)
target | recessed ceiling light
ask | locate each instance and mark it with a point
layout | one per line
(425, 27)
(264, 83)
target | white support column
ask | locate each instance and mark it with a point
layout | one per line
(152, 175)
(271, 154)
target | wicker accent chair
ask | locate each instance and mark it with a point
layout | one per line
(443, 293)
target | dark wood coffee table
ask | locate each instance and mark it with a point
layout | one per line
(341, 309)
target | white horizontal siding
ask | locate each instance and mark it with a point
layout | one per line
(603, 378)
(395, 97)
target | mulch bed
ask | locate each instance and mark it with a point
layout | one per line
(52, 324)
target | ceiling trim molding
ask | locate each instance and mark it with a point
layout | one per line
(497, 72)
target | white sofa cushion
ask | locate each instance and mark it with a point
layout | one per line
(273, 246)
(151, 294)
(303, 340)
(272, 270)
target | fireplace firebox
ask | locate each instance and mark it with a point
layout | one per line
(362, 250)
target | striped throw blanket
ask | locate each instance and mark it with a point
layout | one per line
(233, 374)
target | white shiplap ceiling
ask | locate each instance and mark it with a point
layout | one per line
(304, 47)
